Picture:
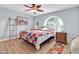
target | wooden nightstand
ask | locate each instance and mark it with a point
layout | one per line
(61, 37)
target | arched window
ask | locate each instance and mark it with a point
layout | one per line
(54, 22)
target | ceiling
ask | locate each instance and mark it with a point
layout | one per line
(48, 8)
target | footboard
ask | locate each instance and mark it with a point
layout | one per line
(42, 39)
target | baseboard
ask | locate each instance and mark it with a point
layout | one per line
(7, 39)
(4, 39)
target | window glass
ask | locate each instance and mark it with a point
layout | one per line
(54, 22)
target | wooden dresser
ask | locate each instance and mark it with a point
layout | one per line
(61, 37)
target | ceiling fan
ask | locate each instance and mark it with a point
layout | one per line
(34, 8)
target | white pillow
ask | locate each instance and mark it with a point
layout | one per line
(45, 28)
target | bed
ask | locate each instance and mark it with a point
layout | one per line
(36, 36)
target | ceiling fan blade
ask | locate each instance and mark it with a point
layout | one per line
(38, 6)
(28, 10)
(40, 10)
(27, 6)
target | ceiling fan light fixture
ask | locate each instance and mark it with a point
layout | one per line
(34, 11)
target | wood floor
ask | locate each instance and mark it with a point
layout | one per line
(15, 46)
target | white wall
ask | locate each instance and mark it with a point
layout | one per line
(4, 14)
(69, 17)
(78, 22)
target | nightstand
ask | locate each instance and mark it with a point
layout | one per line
(61, 37)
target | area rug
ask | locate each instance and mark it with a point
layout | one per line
(56, 49)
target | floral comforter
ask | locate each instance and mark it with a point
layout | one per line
(35, 37)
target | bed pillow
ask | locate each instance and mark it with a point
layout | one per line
(45, 28)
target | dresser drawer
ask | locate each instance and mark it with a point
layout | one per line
(61, 37)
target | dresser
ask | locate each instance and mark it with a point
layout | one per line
(61, 37)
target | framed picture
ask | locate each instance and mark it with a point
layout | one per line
(21, 20)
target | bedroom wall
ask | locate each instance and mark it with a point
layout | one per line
(68, 16)
(78, 26)
(4, 14)
(78, 22)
